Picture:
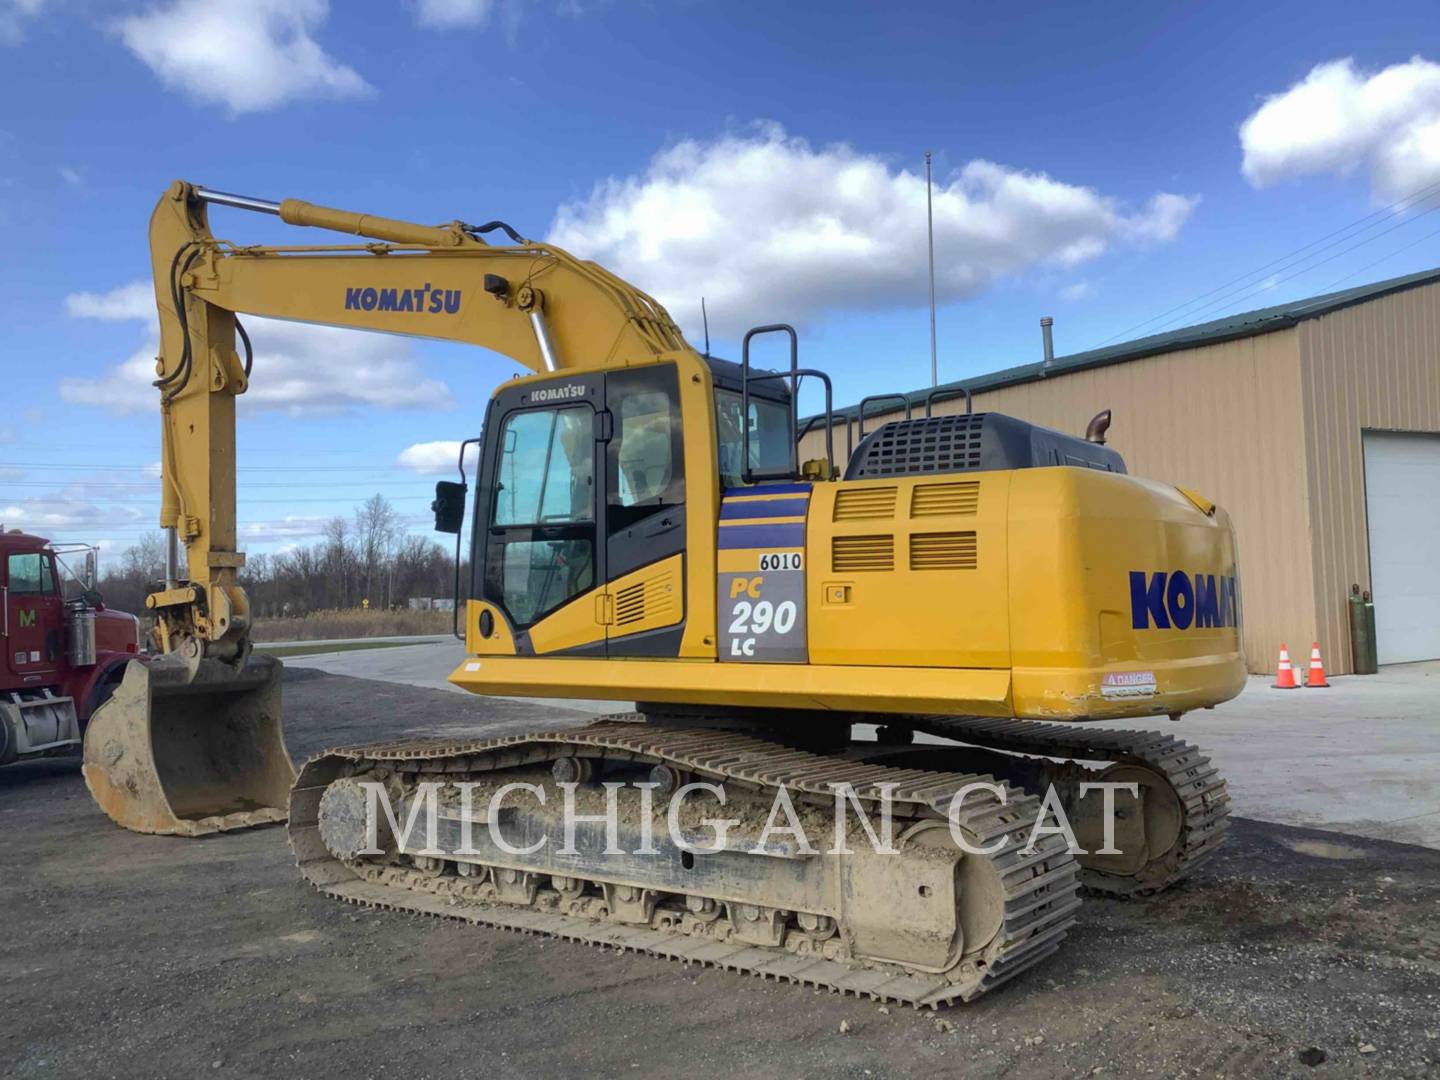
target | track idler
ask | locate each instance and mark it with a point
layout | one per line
(188, 749)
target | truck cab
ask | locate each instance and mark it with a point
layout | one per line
(60, 655)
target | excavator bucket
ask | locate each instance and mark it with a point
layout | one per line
(189, 750)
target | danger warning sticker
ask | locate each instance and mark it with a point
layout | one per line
(1128, 684)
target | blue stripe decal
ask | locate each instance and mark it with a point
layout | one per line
(769, 508)
(741, 537)
(768, 489)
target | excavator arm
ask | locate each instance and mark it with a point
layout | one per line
(158, 759)
(534, 303)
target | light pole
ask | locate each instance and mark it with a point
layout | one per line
(930, 236)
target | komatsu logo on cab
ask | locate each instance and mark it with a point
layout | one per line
(423, 300)
(558, 393)
(1178, 600)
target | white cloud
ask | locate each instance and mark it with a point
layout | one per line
(71, 176)
(248, 55)
(446, 14)
(1340, 118)
(479, 14)
(290, 528)
(769, 228)
(125, 388)
(14, 16)
(81, 506)
(1080, 290)
(133, 301)
(300, 368)
(44, 515)
(435, 458)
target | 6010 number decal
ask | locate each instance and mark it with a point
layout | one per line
(789, 560)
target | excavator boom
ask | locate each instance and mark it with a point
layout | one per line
(191, 742)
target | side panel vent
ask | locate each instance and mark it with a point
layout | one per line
(943, 551)
(943, 500)
(653, 599)
(864, 504)
(857, 554)
(630, 604)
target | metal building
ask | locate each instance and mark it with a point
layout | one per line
(1316, 424)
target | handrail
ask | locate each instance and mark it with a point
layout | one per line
(860, 409)
(953, 391)
(849, 435)
(794, 375)
(455, 614)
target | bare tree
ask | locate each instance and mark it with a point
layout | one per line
(339, 561)
(145, 559)
(371, 556)
(377, 528)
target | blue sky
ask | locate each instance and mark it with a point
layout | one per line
(1090, 164)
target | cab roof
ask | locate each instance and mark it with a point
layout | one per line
(15, 540)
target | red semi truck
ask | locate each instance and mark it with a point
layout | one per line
(63, 651)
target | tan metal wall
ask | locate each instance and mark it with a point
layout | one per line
(1375, 365)
(1225, 420)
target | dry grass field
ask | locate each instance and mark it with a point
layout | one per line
(353, 623)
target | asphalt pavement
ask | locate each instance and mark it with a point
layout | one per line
(126, 955)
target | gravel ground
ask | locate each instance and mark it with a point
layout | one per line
(126, 955)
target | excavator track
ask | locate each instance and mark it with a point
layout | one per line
(1026, 900)
(1199, 791)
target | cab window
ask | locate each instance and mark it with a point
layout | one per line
(546, 468)
(544, 512)
(646, 455)
(31, 573)
(769, 425)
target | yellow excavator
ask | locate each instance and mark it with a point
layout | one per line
(643, 529)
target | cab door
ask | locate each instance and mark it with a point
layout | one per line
(644, 513)
(32, 617)
(582, 513)
(538, 510)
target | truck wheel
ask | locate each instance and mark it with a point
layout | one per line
(7, 736)
(102, 693)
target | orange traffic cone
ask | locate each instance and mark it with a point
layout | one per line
(1315, 677)
(1284, 673)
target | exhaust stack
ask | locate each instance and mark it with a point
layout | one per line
(1098, 426)
(1047, 336)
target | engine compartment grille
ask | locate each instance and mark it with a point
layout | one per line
(928, 445)
(863, 504)
(945, 500)
(944, 551)
(858, 554)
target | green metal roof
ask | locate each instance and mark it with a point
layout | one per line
(1228, 328)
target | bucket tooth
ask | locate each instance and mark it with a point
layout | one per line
(189, 750)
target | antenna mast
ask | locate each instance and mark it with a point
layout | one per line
(930, 234)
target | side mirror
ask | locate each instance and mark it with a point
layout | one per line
(449, 506)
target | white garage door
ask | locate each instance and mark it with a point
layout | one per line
(1402, 500)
